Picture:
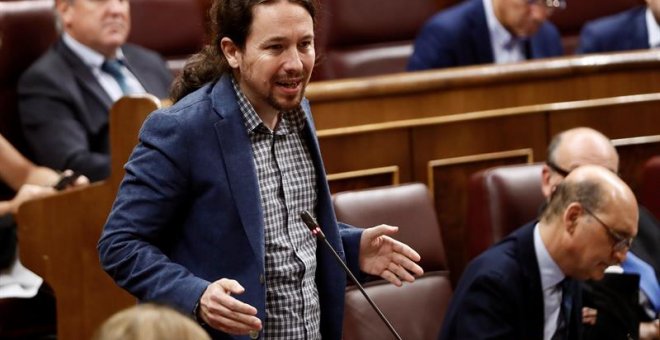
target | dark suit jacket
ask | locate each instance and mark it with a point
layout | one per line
(620, 32)
(188, 211)
(459, 36)
(64, 110)
(500, 296)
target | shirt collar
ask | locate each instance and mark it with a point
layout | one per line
(499, 35)
(551, 274)
(653, 29)
(292, 120)
(88, 55)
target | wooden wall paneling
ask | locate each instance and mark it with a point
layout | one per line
(363, 151)
(369, 100)
(616, 117)
(448, 181)
(365, 178)
(58, 234)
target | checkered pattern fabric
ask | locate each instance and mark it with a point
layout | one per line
(287, 183)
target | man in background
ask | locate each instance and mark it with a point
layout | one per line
(526, 286)
(66, 95)
(581, 146)
(487, 31)
(634, 29)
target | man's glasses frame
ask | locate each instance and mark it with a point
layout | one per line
(620, 242)
(556, 168)
(553, 4)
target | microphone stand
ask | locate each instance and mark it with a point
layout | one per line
(314, 227)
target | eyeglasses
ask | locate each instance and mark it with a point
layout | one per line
(620, 242)
(556, 168)
(558, 4)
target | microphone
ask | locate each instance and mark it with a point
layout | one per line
(314, 227)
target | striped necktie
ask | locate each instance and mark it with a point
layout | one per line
(113, 67)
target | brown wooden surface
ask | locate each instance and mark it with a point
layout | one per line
(442, 151)
(58, 234)
(342, 103)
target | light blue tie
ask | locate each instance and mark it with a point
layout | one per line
(648, 282)
(113, 67)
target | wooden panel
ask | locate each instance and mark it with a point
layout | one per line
(58, 234)
(342, 153)
(341, 103)
(448, 182)
(362, 179)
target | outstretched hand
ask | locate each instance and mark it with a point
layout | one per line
(386, 257)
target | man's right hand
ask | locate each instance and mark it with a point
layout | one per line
(218, 309)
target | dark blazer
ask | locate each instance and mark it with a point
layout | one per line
(64, 110)
(459, 36)
(500, 296)
(188, 212)
(619, 32)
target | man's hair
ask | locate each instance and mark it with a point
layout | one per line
(552, 147)
(231, 19)
(585, 192)
(150, 322)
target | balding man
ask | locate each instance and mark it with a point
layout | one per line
(525, 286)
(580, 146)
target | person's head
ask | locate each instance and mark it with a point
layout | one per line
(523, 18)
(591, 220)
(573, 148)
(102, 25)
(654, 5)
(267, 44)
(150, 322)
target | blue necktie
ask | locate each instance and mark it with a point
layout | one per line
(113, 67)
(564, 319)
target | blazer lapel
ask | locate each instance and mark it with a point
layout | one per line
(241, 172)
(84, 75)
(480, 36)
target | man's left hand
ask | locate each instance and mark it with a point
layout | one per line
(386, 257)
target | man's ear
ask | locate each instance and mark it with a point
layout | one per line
(231, 52)
(546, 186)
(571, 215)
(63, 8)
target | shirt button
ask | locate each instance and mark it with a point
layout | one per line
(261, 278)
(254, 334)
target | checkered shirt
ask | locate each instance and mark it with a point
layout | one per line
(287, 183)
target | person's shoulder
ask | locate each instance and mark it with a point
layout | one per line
(615, 23)
(456, 14)
(50, 70)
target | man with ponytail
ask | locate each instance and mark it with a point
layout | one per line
(207, 217)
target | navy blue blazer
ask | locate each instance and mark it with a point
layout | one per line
(188, 212)
(459, 36)
(499, 296)
(619, 32)
(64, 109)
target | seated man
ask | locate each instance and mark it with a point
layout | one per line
(65, 96)
(582, 146)
(525, 286)
(634, 29)
(487, 31)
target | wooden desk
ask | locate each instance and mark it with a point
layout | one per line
(58, 234)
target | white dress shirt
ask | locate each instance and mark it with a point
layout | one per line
(506, 47)
(94, 60)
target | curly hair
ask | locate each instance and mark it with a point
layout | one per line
(231, 19)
